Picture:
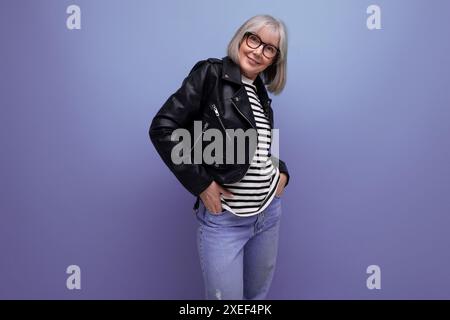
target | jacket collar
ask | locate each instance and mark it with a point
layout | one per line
(232, 72)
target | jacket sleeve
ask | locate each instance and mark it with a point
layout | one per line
(282, 167)
(179, 111)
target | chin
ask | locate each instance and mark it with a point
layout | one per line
(251, 71)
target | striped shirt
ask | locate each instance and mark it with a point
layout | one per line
(254, 192)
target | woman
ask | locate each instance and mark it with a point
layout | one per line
(239, 203)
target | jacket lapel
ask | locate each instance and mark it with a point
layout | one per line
(231, 72)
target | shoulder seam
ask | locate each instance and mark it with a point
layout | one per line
(214, 60)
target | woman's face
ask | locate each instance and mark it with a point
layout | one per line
(252, 61)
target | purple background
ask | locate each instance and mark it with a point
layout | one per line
(364, 128)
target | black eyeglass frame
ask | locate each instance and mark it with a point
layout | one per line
(248, 33)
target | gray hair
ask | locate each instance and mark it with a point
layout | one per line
(274, 76)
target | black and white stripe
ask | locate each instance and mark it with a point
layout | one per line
(254, 192)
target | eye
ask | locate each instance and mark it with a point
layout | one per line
(271, 50)
(253, 39)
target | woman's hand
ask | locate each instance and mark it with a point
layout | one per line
(211, 197)
(281, 184)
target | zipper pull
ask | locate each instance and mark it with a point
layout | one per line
(213, 106)
(215, 110)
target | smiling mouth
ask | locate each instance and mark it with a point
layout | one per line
(253, 60)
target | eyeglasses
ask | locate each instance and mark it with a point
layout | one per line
(254, 42)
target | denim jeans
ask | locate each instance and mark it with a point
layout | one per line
(238, 254)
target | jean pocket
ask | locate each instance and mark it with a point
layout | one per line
(216, 214)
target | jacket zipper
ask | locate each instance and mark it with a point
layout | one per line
(213, 106)
(235, 106)
(203, 131)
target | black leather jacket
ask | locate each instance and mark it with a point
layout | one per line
(214, 94)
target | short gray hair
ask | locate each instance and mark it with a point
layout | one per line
(274, 76)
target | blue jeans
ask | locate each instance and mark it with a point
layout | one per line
(238, 254)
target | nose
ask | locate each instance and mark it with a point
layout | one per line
(258, 50)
